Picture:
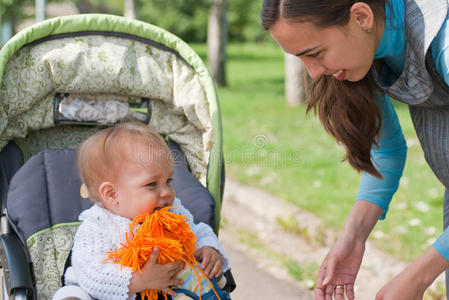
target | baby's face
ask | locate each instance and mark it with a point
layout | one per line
(144, 182)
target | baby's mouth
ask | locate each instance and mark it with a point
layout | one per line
(161, 206)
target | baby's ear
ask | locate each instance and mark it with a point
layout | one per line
(107, 193)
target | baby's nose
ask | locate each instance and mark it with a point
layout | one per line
(166, 192)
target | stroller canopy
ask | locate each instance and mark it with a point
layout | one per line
(111, 56)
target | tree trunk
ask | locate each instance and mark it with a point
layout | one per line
(85, 6)
(295, 80)
(41, 12)
(217, 38)
(130, 9)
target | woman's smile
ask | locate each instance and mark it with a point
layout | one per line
(340, 75)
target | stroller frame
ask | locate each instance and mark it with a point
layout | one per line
(18, 280)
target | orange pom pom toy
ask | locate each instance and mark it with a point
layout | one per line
(165, 230)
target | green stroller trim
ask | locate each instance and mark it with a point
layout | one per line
(109, 23)
(51, 228)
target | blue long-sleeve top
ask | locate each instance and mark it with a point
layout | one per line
(390, 153)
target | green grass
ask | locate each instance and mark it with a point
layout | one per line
(283, 151)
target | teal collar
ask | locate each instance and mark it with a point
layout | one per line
(391, 48)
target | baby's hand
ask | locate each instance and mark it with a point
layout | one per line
(211, 261)
(155, 276)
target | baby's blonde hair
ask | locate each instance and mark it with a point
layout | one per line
(99, 156)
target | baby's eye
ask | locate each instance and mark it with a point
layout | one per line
(169, 180)
(316, 54)
(151, 184)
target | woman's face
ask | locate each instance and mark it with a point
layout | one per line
(345, 52)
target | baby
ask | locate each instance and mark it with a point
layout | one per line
(127, 170)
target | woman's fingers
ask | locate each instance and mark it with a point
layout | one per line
(328, 292)
(319, 293)
(330, 269)
(322, 273)
(324, 290)
(339, 292)
(320, 288)
(350, 291)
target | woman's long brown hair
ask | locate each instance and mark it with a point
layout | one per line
(346, 109)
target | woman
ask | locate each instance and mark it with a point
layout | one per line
(359, 53)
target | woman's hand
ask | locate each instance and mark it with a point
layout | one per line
(339, 270)
(401, 287)
(411, 283)
(340, 267)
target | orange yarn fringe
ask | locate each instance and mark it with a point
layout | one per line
(162, 229)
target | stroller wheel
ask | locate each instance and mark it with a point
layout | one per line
(5, 295)
(17, 294)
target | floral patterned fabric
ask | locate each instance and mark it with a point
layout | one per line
(60, 137)
(97, 65)
(49, 251)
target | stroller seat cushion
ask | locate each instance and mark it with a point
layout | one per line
(46, 192)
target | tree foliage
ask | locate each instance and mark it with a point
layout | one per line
(244, 23)
(185, 18)
(188, 18)
(12, 9)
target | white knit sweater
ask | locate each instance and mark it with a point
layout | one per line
(102, 231)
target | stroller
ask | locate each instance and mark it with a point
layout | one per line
(60, 77)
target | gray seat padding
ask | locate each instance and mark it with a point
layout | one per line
(194, 196)
(45, 191)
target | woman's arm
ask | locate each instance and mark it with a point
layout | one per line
(411, 283)
(341, 265)
(361, 220)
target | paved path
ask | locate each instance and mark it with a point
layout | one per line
(255, 283)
